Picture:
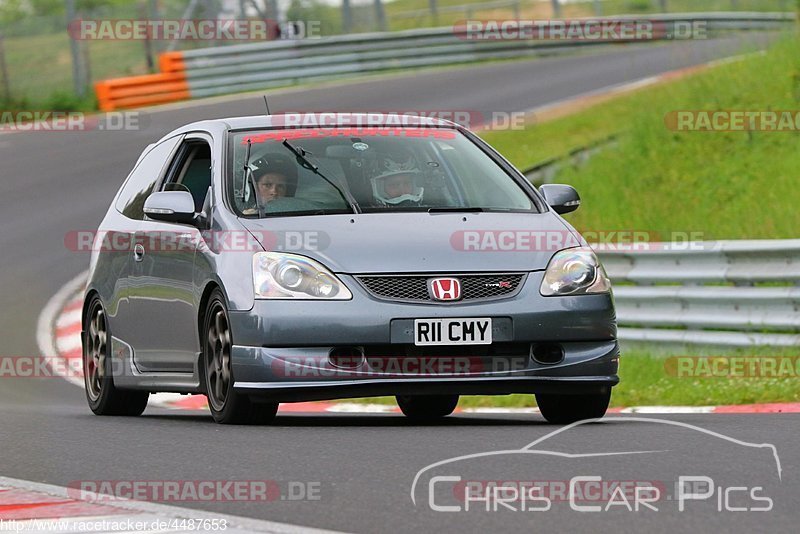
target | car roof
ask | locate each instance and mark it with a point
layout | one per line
(314, 120)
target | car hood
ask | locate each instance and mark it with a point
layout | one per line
(419, 242)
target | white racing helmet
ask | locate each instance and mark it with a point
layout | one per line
(392, 168)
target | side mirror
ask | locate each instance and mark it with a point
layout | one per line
(562, 198)
(171, 206)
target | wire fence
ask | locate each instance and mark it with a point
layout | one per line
(42, 67)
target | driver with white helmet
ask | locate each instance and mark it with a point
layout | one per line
(395, 185)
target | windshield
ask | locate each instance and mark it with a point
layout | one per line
(345, 170)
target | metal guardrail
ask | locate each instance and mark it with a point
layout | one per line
(235, 68)
(724, 293)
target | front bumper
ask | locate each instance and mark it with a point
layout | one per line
(281, 348)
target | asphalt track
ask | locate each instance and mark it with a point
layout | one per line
(53, 183)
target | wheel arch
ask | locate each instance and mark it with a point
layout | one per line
(202, 306)
(90, 295)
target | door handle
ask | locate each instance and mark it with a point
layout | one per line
(138, 253)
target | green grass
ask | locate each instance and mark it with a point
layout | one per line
(647, 379)
(40, 66)
(731, 185)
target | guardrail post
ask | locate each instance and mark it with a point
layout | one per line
(434, 11)
(78, 75)
(556, 9)
(380, 15)
(87, 64)
(147, 9)
(347, 17)
(4, 70)
(663, 6)
(516, 9)
(598, 8)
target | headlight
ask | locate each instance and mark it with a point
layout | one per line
(575, 271)
(291, 276)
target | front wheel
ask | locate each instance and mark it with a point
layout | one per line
(427, 407)
(104, 398)
(565, 409)
(227, 406)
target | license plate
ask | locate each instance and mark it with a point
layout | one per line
(453, 331)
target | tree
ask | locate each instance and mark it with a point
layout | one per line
(11, 11)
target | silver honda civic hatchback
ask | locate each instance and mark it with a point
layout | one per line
(260, 260)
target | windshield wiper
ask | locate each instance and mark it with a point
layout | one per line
(304, 213)
(248, 176)
(301, 157)
(455, 209)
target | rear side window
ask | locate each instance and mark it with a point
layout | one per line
(140, 183)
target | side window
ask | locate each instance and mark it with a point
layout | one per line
(191, 171)
(141, 181)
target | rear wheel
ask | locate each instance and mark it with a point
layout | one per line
(427, 407)
(565, 409)
(104, 398)
(227, 406)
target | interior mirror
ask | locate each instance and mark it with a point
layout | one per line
(353, 150)
(170, 206)
(562, 198)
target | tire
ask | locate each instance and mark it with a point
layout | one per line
(427, 407)
(227, 406)
(103, 396)
(566, 409)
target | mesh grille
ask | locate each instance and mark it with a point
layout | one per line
(415, 288)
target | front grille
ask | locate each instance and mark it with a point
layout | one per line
(414, 288)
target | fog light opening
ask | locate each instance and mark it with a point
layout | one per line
(346, 357)
(547, 353)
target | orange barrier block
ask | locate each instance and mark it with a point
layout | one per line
(171, 62)
(170, 85)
